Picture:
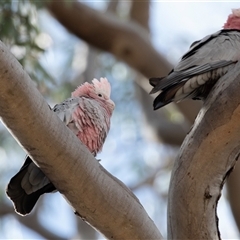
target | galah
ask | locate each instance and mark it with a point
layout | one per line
(199, 68)
(87, 113)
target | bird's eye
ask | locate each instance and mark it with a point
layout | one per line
(100, 95)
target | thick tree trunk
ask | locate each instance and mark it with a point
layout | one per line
(97, 196)
(207, 156)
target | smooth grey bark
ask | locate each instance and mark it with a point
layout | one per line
(207, 156)
(97, 196)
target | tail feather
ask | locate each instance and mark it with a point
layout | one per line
(155, 83)
(23, 202)
(161, 100)
(167, 96)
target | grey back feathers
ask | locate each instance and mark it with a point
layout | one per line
(205, 62)
(34, 179)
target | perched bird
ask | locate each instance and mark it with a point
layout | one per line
(87, 113)
(199, 69)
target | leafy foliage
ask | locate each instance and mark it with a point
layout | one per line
(19, 31)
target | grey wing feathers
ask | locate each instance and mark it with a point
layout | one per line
(24, 193)
(34, 179)
(176, 77)
(65, 109)
(214, 51)
(223, 45)
(198, 44)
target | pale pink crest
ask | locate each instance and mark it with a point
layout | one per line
(103, 86)
(83, 89)
(233, 21)
(86, 88)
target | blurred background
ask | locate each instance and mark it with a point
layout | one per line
(61, 45)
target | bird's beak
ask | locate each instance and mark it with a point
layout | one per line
(111, 103)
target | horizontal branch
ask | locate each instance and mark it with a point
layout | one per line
(98, 197)
(207, 156)
(128, 41)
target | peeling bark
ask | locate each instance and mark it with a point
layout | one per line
(207, 156)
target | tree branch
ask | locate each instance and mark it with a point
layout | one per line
(233, 186)
(97, 196)
(31, 221)
(165, 131)
(126, 40)
(207, 156)
(140, 13)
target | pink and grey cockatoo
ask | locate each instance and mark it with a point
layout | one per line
(199, 69)
(87, 113)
